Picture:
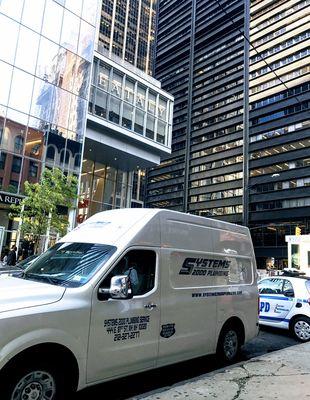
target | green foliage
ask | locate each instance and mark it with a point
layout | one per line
(38, 209)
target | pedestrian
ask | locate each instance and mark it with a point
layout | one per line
(19, 255)
(5, 256)
(11, 260)
(25, 248)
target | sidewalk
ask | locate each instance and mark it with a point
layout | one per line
(283, 375)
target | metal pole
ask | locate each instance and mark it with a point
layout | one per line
(246, 113)
(189, 107)
(20, 222)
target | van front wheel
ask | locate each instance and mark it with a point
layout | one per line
(38, 382)
(228, 345)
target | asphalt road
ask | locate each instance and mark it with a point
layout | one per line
(267, 341)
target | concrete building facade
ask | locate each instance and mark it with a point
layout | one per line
(239, 72)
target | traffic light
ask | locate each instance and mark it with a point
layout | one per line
(297, 231)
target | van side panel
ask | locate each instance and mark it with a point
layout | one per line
(245, 305)
(208, 275)
(230, 242)
(187, 326)
(194, 322)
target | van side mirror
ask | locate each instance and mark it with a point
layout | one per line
(120, 288)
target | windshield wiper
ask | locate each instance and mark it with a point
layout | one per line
(44, 278)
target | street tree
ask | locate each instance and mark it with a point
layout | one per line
(39, 211)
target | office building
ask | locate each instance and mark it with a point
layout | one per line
(47, 65)
(241, 158)
(127, 30)
(46, 52)
(129, 118)
(200, 61)
(279, 143)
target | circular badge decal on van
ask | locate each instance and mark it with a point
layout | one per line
(167, 330)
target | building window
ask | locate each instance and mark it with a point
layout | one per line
(13, 186)
(219, 211)
(16, 164)
(2, 160)
(280, 131)
(276, 168)
(217, 179)
(33, 169)
(278, 204)
(287, 111)
(50, 153)
(301, 144)
(18, 144)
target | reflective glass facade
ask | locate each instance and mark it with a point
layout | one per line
(129, 103)
(129, 115)
(104, 187)
(127, 30)
(46, 50)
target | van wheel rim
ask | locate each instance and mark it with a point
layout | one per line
(230, 345)
(37, 385)
(302, 330)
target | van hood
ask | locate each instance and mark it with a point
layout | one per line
(17, 293)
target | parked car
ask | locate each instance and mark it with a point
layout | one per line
(285, 303)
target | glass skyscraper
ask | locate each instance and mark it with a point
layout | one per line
(127, 30)
(129, 115)
(46, 51)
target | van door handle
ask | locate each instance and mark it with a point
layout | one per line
(150, 306)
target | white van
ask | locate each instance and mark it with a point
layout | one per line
(126, 291)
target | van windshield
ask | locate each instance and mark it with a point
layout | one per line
(69, 264)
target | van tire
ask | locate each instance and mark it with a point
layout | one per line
(36, 377)
(229, 344)
(300, 328)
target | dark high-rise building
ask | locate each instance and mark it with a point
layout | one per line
(241, 158)
(200, 56)
(279, 148)
(127, 30)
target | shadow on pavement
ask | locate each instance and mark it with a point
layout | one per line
(268, 340)
(138, 384)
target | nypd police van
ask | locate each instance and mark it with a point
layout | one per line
(126, 291)
(285, 303)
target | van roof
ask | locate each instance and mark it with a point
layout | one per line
(109, 226)
(129, 214)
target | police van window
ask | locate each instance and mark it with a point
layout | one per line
(140, 265)
(270, 286)
(287, 286)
